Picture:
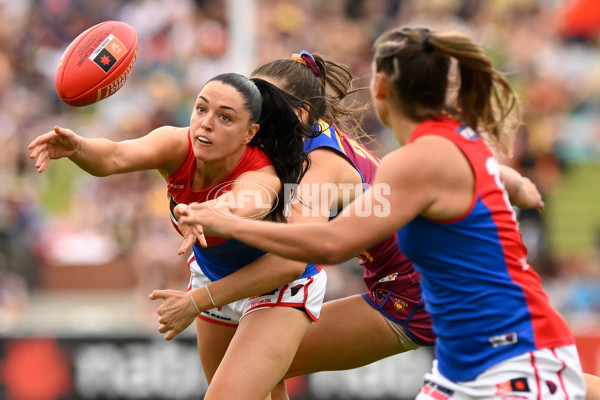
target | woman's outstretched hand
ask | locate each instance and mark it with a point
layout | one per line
(52, 145)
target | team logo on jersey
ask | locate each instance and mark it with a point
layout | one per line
(467, 132)
(172, 205)
(504, 339)
(551, 386)
(294, 290)
(380, 294)
(400, 305)
(389, 278)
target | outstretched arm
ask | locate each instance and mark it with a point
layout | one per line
(399, 194)
(102, 157)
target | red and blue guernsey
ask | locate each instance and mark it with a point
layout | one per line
(487, 303)
(392, 281)
(222, 256)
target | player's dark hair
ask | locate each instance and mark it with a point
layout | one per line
(281, 134)
(417, 63)
(326, 93)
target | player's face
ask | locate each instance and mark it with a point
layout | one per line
(220, 124)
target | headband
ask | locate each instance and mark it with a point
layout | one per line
(307, 59)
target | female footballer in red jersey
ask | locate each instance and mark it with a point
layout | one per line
(244, 134)
(437, 186)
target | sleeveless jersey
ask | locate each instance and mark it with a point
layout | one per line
(384, 261)
(222, 256)
(487, 303)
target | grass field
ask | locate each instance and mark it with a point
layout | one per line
(573, 212)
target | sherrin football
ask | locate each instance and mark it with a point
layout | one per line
(96, 64)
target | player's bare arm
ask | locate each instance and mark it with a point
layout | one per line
(103, 157)
(522, 192)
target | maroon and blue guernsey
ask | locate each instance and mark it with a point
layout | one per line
(392, 281)
(487, 303)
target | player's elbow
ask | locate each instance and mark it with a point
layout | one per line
(99, 174)
(330, 252)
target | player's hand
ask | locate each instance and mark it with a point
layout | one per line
(190, 233)
(204, 217)
(55, 144)
(176, 312)
(529, 196)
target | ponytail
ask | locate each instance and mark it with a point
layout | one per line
(484, 100)
(325, 85)
(281, 136)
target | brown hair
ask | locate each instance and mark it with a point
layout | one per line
(418, 61)
(326, 93)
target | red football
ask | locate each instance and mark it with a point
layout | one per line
(96, 63)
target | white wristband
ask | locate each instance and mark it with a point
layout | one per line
(210, 296)
(194, 302)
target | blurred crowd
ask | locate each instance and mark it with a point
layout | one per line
(549, 48)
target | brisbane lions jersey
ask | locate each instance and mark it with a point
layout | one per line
(385, 265)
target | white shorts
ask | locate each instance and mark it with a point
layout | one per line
(305, 293)
(543, 374)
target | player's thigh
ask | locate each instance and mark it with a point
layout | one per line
(592, 383)
(213, 340)
(350, 333)
(259, 353)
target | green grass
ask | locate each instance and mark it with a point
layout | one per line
(58, 183)
(573, 212)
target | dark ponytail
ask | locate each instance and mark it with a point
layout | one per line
(281, 136)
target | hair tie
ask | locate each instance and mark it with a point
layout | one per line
(307, 59)
(427, 46)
